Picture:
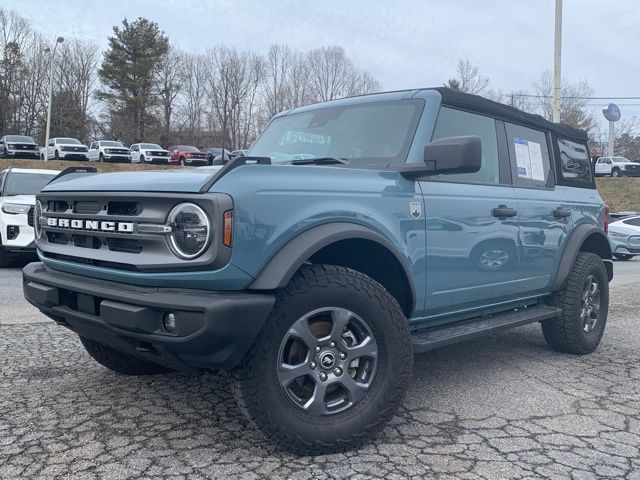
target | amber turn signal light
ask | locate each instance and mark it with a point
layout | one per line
(227, 228)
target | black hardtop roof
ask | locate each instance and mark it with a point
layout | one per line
(476, 103)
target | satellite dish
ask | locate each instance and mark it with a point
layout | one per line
(612, 112)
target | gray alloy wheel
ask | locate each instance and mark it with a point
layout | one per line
(327, 361)
(615, 172)
(590, 303)
(182, 161)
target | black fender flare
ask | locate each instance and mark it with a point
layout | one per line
(286, 262)
(574, 244)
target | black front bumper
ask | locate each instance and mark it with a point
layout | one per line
(213, 329)
(11, 251)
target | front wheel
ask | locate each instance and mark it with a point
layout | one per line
(181, 161)
(101, 158)
(585, 303)
(142, 160)
(56, 155)
(623, 256)
(331, 365)
(615, 173)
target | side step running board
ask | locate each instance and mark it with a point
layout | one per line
(441, 336)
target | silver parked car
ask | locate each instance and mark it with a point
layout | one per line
(624, 237)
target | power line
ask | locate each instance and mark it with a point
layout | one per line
(530, 95)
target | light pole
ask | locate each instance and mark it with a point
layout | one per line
(53, 55)
(557, 54)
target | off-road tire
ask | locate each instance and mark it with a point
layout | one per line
(120, 362)
(622, 256)
(565, 333)
(263, 401)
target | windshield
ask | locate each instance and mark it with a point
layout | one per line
(148, 146)
(373, 131)
(72, 141)
(19, 138)
(111, 144)
(26, 183)
(619, 159)
(188, 148)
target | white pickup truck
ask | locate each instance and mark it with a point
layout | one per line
(18, 189)
(617, 167)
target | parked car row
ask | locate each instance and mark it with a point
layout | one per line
(63, 148)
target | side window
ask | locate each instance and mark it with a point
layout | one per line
(574, 167)
(457, 123)
(51, 143)
(529, 156)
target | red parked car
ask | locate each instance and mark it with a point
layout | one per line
(187, 155)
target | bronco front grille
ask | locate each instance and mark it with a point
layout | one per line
(103, 229)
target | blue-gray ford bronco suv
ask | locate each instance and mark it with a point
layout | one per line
(353, 234)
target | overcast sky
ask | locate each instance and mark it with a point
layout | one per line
(402, 43)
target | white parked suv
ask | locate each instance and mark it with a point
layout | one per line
(63, 148)
(148, 153)
(617, 167)
(108, 151)
(18, 187)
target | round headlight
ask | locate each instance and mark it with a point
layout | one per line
(190, 230)
(37, 213)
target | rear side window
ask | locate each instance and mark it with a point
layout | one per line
(574, 164)
(529, 156)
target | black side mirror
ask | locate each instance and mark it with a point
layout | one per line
(448, 155)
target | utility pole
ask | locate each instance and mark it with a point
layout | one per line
(51, 65)
(557, 57)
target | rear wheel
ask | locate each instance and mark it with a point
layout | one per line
(120, 362)
(330, 367)
(623, 256)
(585, 304)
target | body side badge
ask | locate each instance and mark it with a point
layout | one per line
(415, 208)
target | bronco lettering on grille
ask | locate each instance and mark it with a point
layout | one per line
(94, 225)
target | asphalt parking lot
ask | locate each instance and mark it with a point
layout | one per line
(505, 406)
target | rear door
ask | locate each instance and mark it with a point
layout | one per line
(544, 213)
(471, 223)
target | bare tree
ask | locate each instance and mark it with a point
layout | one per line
(574, 102)
(169, 83)
(468, 79)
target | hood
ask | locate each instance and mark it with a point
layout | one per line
(183, 180)
(22, 199)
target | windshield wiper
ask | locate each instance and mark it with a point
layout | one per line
(320, 161)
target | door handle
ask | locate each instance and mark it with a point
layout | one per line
(503, 212)
(561, 212)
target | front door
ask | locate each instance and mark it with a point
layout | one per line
(603, 166)
(471, 224)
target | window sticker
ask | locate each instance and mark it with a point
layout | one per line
(529, 159)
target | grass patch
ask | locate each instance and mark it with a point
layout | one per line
(62, 164)
(620, 193)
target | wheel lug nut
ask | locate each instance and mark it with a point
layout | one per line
(312, 365)
(337, 371)
(323, 376)
(342, 355)
(332, 344)
(318, 349)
